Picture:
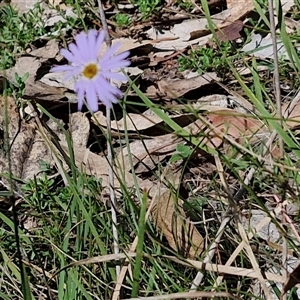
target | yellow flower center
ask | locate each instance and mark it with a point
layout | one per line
(90, 71)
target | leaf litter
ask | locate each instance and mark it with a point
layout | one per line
(140, 157)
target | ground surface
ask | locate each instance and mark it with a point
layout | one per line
(205, 154)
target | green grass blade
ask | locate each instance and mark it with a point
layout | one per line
(178, 130)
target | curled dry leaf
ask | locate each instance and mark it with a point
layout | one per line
(173, 89)
(192, 29)
(171, 219)
(128, 44)
(27, 148)
(149, 124)
(132, 122)
(48, 96)
(34, 90)
(196, 32)
(169, 47)
(93, 164)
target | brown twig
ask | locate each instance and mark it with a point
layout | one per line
(276, 71)
(109, 153)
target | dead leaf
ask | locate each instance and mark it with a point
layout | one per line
(79, 128)
(34, 90)
(128, 44)
(53, 16)
(193, 29)
(293, 119)
(145, 154)
(230, 32)
(173, 89)
(96, 165)
(57, 80)
(155, 34)
(132, 122)
(27, 148)
(225, 122)
(234, 124)
(56, 2)
(291, 24)
(169, 47)
(34, 152)
(196, 32)
(239, 9)
(50, 50)
(286, 5)
(44, 93)
(141, 122)
(25, 64)
(268, 231)
(261, 47)
(291, 281)
(171, 219)
(23, 6)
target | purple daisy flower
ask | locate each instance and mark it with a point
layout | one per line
(91, 72)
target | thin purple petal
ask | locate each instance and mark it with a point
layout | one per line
(114, 90)
(82, 45)
(115, 76)
(115, 62)
(75, 72)
(68, 55)
(110, 51)
(114, 67)
(103, 86)
(77, 54)
(91, 39)
(65, 68)
(107, 99)
(91, 96)
(120, 56)
(103, 89)
(79, 89)
(100, 39)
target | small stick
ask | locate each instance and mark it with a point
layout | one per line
(276, 72)
(110, 154)
(210, 254)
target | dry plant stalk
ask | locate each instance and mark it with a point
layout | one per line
(110, 154)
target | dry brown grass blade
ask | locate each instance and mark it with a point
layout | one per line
(52, 148)
(253, 261)
(125, 267)
(240, 247)
(250, 273)
(210, 253)
(186, 295)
